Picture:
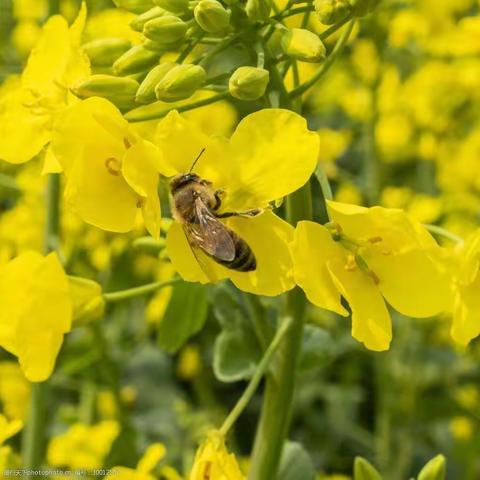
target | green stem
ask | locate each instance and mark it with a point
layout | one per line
(277, 404)
(189, 48)
(137, 115)
(326, 64)
(330, 31)
(443, 233)
(138, 291)
(33, 440)
(247, 395)
(293, 11)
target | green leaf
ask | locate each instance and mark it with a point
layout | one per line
(363, 470)
(296, 463)
(435, 469)
(236, 355)
(316, 348)
(185, 315)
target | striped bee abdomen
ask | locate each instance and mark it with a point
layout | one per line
(244, 260)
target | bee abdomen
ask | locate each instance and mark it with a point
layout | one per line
(244, 260)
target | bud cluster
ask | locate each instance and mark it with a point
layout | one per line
(180, 38)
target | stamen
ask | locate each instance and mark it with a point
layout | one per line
(351, 264)
(127, 143)
(113, 166)
(374, 277)
(375, 239)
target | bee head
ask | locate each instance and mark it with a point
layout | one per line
(180, 181)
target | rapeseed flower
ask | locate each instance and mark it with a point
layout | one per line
(27, 110)
(149, 461)
(270, 155)
(8, 428)
(36, 311)
(14, 391)
(213, 461)
(111, 171)
(367, 255)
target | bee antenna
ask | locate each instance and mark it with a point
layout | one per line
(196, 160)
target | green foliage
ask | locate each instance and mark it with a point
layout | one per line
(435, 469)
(296, 463)
(185, 315)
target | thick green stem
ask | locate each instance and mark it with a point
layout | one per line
(33, 439)
(277, 404)
(138, 291)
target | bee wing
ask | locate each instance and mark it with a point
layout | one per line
(211, 235)
(199, 256)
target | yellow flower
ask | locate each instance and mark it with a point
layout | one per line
(83, 446)
(111, 171)
(370, 254)
(213, 461)
(270, 155)
(189, 362)
(8, 428)
(462, 428)
(36, 312)
(14, 390)
(466, 313)
(27, 111)
(152, 456)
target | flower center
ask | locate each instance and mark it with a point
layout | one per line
(114, 166)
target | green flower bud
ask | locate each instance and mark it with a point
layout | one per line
(119, 90)
(137, 59)
(258, 10)
(332, 11)
(88, 301)
(303, 45)
(138, 22)
(211, 16)
(155, 46)
(248, 83)
(363, 470)
(165, 30)
(146, 91)
(104, 51)
(180, 82)
(175, 6)
(435, 469)
(135, 6)
(363, 7)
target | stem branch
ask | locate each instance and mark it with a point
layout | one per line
(137, 291)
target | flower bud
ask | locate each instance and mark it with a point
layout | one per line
(303, 45)
(135, 60)
(87, 298)
(104, 51)
(363, 470)
(146, 91)
(175, 6)
(155, 46)
(435, 469)
(248, 83)
(332, 11)
(165, 30)
(363, 7)
(135, 6)
(119, 90)
(138, 22)
(211, 16)
(180, 82)
(258, 10)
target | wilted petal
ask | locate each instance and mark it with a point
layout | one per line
(312, 248)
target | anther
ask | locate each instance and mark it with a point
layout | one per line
(374, 277)
(375, 239)
(113, 166)
(351, 264)
(127, 143)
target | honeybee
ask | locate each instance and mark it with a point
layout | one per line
(196, 205)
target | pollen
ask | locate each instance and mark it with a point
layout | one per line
(113, 166)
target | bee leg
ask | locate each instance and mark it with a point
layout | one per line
(248, 213)
(219, 195)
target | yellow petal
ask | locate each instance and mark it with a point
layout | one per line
(397, 231)
(36, 312)
(466, 314)
(269, 237)
(96, 188)
(23, 133)
(312, 248)
(371, 323)
(8, 428)
(272, 153)
(50, 163)
(138, 169)
(151, 457)
(181, 141)
(413, 283)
